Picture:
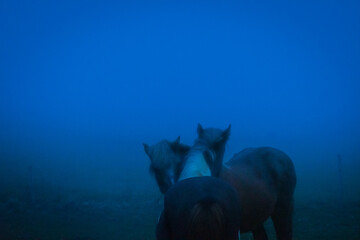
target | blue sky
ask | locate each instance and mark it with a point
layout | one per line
(77, 75)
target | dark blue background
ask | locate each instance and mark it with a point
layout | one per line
(83, 84)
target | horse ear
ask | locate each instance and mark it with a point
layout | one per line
(226, 133)
(146, 148)
(200, 130)
(174, 145)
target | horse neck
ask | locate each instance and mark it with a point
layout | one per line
(217, 164)
(226, 172)
(195, 165)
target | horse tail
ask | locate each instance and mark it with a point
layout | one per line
(206, 221)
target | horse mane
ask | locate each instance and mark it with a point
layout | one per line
(206, 221)
(161, 152)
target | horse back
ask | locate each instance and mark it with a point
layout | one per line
(200, 208)
(267, 164)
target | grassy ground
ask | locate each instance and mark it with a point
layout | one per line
(80, 215)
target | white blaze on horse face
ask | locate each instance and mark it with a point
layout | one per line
(195, 166)
(171, 174)
(212, 155)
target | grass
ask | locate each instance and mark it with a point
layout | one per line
(61, 214)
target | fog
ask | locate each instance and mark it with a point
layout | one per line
(84, 85)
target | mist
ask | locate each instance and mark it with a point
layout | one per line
(84, 85)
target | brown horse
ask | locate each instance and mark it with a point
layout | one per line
(167, 159)
(264, 179)
(200, 208)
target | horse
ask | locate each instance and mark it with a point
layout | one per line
(197, 206)
(264, 179)
(167, 159)
(200, 208)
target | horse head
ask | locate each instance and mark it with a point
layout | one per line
(165, 161)
(214, 140)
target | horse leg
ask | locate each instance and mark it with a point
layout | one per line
(259, 233)
(282, 218)
(162, 231)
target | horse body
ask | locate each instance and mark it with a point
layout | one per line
(200, 208)
(195, 208)
(257, 201)
(265, 181)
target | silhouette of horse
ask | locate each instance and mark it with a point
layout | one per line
(167, 159)
(207, 207)
(264, 179)
(200, 208)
